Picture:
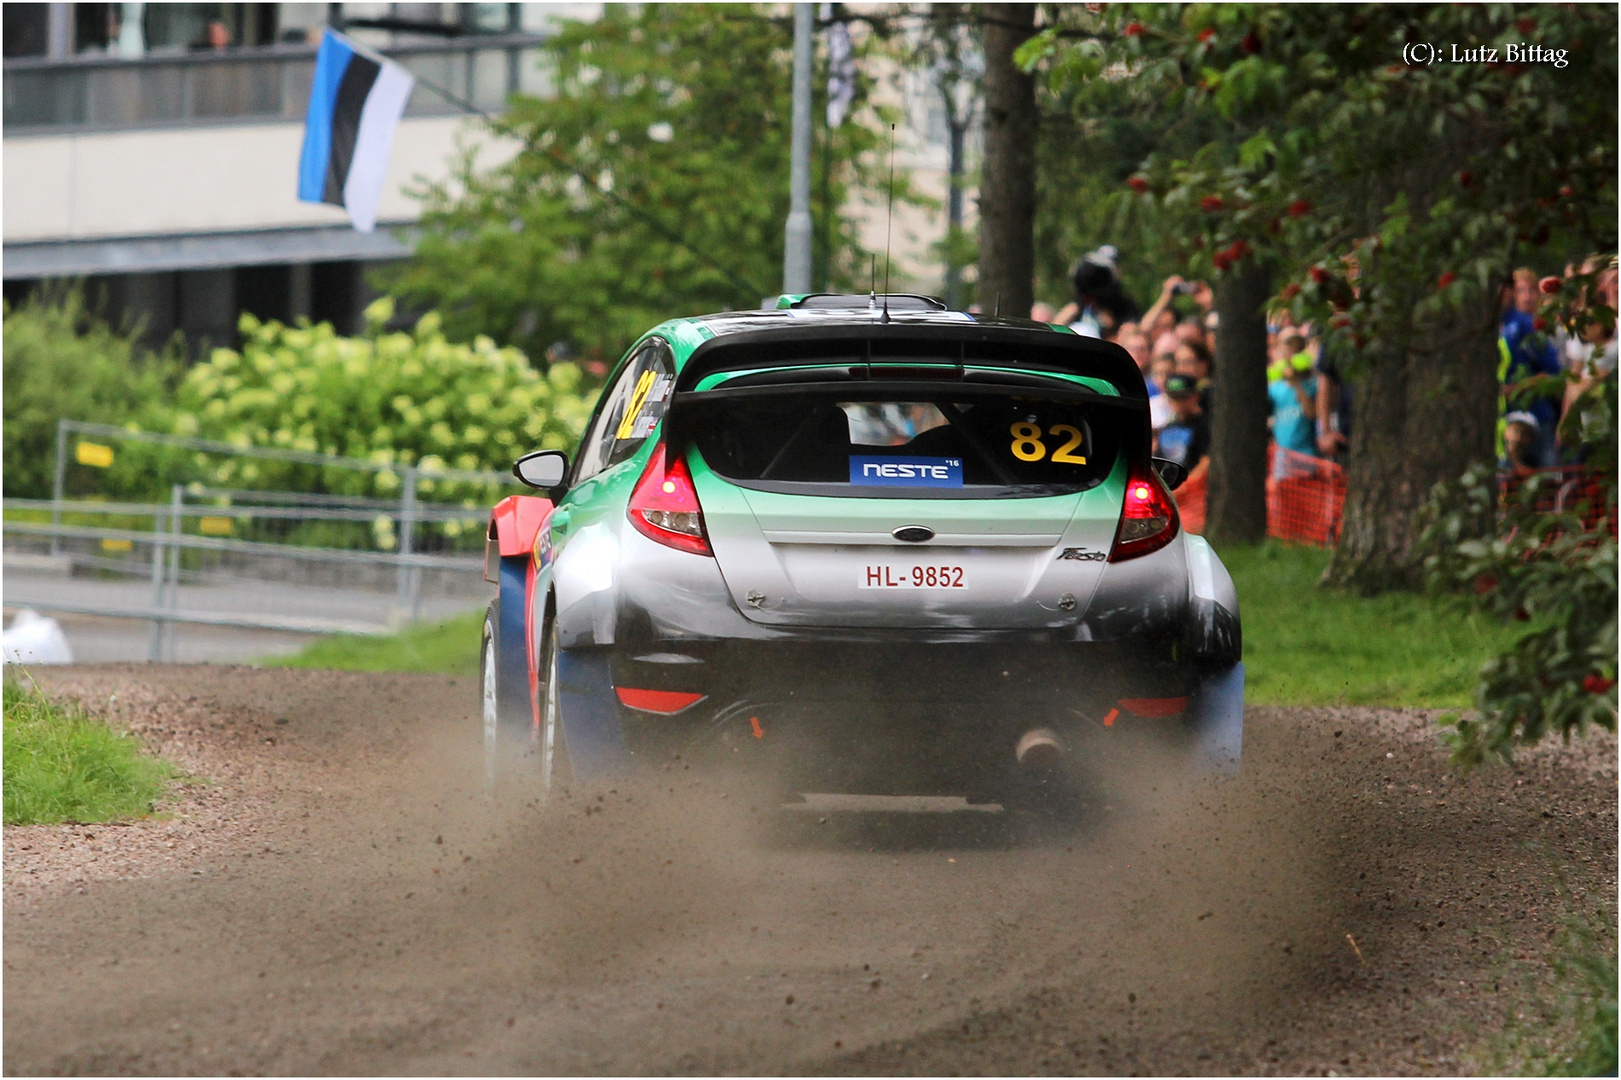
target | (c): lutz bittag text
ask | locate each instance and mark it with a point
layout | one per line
(1423, 54)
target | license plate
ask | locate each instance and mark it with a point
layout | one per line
(912, 576)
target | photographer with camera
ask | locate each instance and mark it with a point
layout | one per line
(1101, 305)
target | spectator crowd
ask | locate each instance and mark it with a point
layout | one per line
(1173, 342)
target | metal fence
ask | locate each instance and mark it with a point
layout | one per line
(251, 558)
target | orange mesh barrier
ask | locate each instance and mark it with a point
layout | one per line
(1305, 497)
(1190, 503)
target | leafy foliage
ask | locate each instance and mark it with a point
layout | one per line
(61, 765)
(677, 116)
(1312, 139)
(61, 362)
(391, 398)
(1393, 194)
(1550, 560)
(1592, 968)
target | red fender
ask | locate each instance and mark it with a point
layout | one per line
(515, 521)
(515, 527)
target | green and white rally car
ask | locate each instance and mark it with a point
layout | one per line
(863, 544)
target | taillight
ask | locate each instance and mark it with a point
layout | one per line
(664, 507)
(1149, 520)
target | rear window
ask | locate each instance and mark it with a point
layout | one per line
(988, 447)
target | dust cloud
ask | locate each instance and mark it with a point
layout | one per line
(387, 915)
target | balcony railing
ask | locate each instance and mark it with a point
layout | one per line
(248, 85)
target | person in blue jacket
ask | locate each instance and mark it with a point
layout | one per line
(1526, 352)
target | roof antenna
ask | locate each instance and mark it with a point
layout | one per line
(889, 220)
(998, 304)
(872, 294)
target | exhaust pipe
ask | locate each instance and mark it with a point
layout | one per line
(1039, 750)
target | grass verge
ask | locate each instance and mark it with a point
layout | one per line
(61, 765)
(450, 647)
(1308, 645)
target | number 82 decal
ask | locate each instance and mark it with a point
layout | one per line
(1027, 444)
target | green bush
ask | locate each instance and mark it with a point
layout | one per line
(392, 398)
(63, 362)
(61, 765)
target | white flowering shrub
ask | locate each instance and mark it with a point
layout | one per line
(395, 399)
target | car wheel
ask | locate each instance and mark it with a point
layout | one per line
(490, 701)
(552, 754)
(506, 717)
(581, 715)
(1218, 719)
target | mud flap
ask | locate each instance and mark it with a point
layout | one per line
(512, 660)
(590, 715)
(1218, 725)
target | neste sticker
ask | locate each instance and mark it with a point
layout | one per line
(869, 470)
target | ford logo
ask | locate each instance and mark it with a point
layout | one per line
(913, 534)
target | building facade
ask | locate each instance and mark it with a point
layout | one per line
(151, 151)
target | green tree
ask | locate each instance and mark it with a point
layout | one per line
(62, 362)
(1436, 178)
(653, 184)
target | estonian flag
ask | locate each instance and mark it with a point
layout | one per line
(355, 105)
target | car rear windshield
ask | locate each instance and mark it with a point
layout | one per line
(911, 446)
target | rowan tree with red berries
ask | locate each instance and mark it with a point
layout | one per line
(1389, 198)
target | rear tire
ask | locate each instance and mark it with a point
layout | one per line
(552, 764)
(1218, 720)
(507, 721)
(581, 713)
(490, 702)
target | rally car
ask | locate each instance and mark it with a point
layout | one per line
(857, 544)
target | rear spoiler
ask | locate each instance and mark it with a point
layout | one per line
(1005, 343)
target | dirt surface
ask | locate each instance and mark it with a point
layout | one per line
(335, 895)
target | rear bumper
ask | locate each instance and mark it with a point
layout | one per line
(901, 719)
(1038, 679)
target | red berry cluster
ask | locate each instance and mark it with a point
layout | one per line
(1230, 255)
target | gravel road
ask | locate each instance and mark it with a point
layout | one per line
(331, 894)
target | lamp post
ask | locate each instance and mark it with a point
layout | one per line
(796, 252)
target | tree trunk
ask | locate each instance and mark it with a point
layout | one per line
(1007, 187)
(1422, 413)
(1236, 506)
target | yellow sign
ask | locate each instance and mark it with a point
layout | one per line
(1027, 444)
(638, 398)
(95, 455)
(116, 546)
(215, 526)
